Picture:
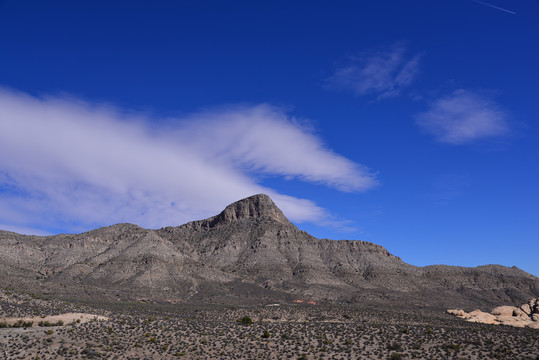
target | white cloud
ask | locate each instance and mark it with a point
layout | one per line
(384, 73)
(72, 165)
(463, 117)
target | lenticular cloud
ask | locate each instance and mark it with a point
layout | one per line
(71, 165)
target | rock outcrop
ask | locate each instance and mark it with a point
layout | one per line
(248, 253)
(527, 315)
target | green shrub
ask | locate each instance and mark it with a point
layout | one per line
(23, 324)
(266, 334)
(246, 320)
(48, 323)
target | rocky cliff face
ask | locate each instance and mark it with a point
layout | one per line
(248, 253)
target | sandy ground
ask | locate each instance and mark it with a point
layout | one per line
(65, 318)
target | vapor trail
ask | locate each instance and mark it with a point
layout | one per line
(495, 7)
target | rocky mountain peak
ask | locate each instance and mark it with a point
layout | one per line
(253, 207)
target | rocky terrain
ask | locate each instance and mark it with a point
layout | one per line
(524, 315)
(136, 330)
(248, 254)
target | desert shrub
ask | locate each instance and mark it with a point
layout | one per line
(48, 323)
(449, 347)
(396, 356)
(395, 346)
(246, 320)
(23, 324)
(266, 334)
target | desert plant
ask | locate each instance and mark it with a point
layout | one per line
(23, 324)
(246, 320)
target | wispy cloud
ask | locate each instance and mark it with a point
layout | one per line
(77, 165)
(383, 73)
(463, 117)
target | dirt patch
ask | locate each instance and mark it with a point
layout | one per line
(67, 318)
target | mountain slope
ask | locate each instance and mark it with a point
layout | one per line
(248, 253)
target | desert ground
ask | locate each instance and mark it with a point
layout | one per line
(139, 330)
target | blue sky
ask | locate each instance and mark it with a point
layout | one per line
(411, 124)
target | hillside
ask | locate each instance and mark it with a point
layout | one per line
(249, 253)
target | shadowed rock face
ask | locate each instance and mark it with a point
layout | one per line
(249, 253)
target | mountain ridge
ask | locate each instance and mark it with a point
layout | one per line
(247, 253)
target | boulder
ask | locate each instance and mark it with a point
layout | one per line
(504, 310)
(534, 325)
(513, 320)
(527, 309)
(482, 317)
(519, 313)
(525, 315)
(533, 304)
(457, 312)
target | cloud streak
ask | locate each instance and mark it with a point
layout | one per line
(463, 117)
(77, 165)
(382, 73)
(495, 7)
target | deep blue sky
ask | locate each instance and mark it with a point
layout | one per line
(426, 109)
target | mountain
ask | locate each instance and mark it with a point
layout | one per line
(249, 253)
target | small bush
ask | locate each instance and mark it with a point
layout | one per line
(48, 323)
(246, 320)
(396, 356)
(266, 334)
(23, 324)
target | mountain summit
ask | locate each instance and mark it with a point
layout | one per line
(249, 253)
(254, 207)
